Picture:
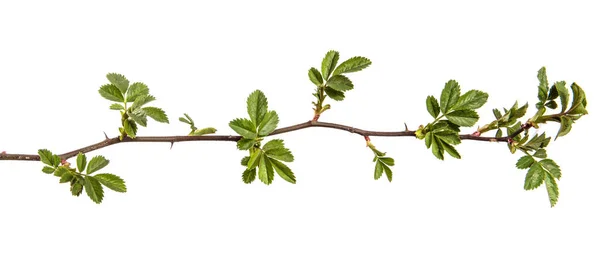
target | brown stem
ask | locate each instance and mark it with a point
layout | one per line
(172, 139)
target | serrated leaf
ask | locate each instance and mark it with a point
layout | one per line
(66, 177)
(449, 149)
(466, 117)
(81, 161)
(353, 64)
(112, 181)
(340, 82)
(552, 189)
(244, 127)
(565, 126)
(387, 160)
(283, 171)
(119, 81)
(473, 99)
(184, 120)
(139, 116)
(578, 106)
(265, 170)
(551, 167)
(136, 90)
(275, 149)
(432, 106)
(254, 159)
(445, 125)
(203, 131)
(447, 136)
(111, 93)
(46, 157)
(268, 124)
(551, 104)
(60, 171)
(93, 189)
(142, 100)
(428, 139)
(525, 162)
(257, 106)
(245, 143)
(249, 175)
(130, 128)
(96, 163)
(553, 93)
(535, 176)
(116, 107)
(156, 113)
(436, 149)
(76, 188)
(543, 86)
(563, 93)
(245, 160)
(388, 171)
(48, 170)
(329, 62)
(449, 96)
(498, 133)
(378, 170)
(541, 153)
(335, 94)
(315, 76)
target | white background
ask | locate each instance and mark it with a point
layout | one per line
(187, 208)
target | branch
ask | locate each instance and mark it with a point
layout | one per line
(172, 139)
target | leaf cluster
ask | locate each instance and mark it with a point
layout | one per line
(131, 101)
(81, 178)
(382, 163)
(270, 157)
(194, 130)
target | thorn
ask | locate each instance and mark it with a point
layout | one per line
(105, 136)
(171, 145)
(405, 127)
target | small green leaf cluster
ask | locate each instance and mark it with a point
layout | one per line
(547, 100)
(195, 131)
(382, 163)
(80, 178)
(270, 157)
(119, 90)
(506, 120)
(331, 81)
(458, 111)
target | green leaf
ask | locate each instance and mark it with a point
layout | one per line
(473, 99)
(136, 90)
(432, 106)
(563, 93)
(203, 131)
(96, 163)
(48, 170)
(565, 126)
(93, 189)
(428, 139)
(353, 64)
(268, 124)
(449, 148)
(81, 161)
(76, 188)
(499, 133)
(254, 159)
(436, 149)
(249, 175)
(257, 106)
(46, 157)
(551, 104)
(450, 137)
(156, 113)
(245, 143)
(315, 76)
(378, 170)
(553, 93)
(265, 170)
(111, 93)
(541, 153)
(497, 113)
(535, 176)
(551, 167)
(67, 177)
(329, 62)
(340, 82)
(184, 120)
(387, 160)
(119, 81)
(449, 96)
(245, 160)
(142, 100)
(60, 171)
(552, 189)
(388, 171)
(525, 162)
(464, 117)
(578, 106)
(117, 107)
(111, 181)
(139, 116)
(244, 127)
(130, 128)
(334, 94)
(283, 171)
(275, 149)
(543, 86)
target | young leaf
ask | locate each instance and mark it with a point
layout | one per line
(432, 106)
(378, 170)
(48, 170)
(111, 181)
(185, 120)
(66, 178)
(334, 94)
(535, 177)
(46, 157)
(283, 171)
(329, 62)
(116, 107)
(111, 93)
(450, 137)
(436, 149)
(257, 106)
(268, 124)
(76, 188)
(276, 150)
(473, 99)
(464, 117)
(60, 171)
(387, 160)
(449, 96)
(142, 100)
(552, 189)
(497, 113)
(449, 148)
(315, 76)
(254, 159)
(203, 131)
(245, 143)
(135, 90)
(541, 153)
(119, 81)
(388, 172)
(563, 93)
(265, 170)
(551, 167)
(156, 113)
(579, 101)
(96, 163)
(245, 160)
(93, 189)
(249, 175)
(565, 126)
(130, 128)
(525, 162)
(244, 127)
(139, 116)
(353, 64)
(340, 82)
(81, 161)
(543, 86)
